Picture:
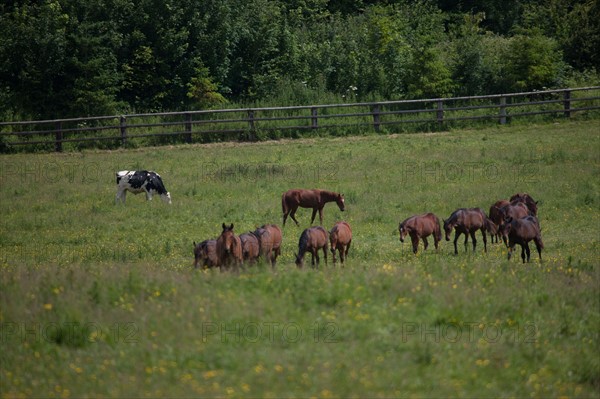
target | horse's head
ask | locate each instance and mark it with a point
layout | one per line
(403, 232)
(339, 200)
(228, 238)
(299, 260)
(448, 228)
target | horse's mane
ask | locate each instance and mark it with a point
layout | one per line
(454, 215)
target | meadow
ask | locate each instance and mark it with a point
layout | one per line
(98, 299)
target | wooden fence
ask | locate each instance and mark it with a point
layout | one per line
(260, 123)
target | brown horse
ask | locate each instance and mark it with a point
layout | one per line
(340, 238)
(311, 240)
(467, 222)
(514, 210)
(269, 238)
(527, 200)
(205, 254)
(250, 247)
(229, 248)
(315, 199)
(496, 217)
(521, 231)
(420, 227)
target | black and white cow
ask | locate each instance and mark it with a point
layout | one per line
(140, 181)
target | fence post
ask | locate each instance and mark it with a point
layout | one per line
(251, 124)
(188, 128)
(503, 110)
(59, 137)
(567, 103)
(440, 112)
(314, 121)
(123, 129)
(376, 120)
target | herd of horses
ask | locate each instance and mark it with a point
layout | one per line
(514, 221)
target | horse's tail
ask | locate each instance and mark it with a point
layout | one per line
(284, 207)
(333, 237)
(303, 243)
(437, 229)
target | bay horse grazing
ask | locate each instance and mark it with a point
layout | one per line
(269, 239)
(250, 247)
(311, 240)
(315, 199)
(521, 231)
(496, 217)
(466, 221)
(527, 200)
(419, 227)
(205, 254)
(229, 248)
(340, 238)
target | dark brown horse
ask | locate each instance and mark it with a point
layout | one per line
(521, 231)
(205, 254)
(419, 227)
(496, 216)
(527, 200)
(514, 210)
(466, 221)
(269, 238)
(250, 247)
(315, 199)
(340, 238)
(229, 248)
(311, 240)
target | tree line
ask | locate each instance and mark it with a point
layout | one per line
(65, 58)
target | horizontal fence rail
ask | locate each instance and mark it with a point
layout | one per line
(249, 124)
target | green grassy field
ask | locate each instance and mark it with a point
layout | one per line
(102, 300)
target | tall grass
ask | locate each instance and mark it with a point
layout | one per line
(102, 300)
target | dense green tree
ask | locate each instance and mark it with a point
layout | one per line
(33, 52)
(62, 58)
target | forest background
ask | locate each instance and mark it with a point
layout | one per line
(69, 58)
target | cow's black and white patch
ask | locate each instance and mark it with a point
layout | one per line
(141, 181)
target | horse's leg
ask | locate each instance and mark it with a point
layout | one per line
(415, 243)
(321, 215)
(522, 252)
(474, 238)
(484, 239)
(333, 249)
(456, 235)
(276, 253)
(425, 243)
(285, 215)
(293, 215)
(538, 246)
(528, 251)
(342, 250)
(348, 247)
(314, 213)
(325, 254)
(466, 240)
